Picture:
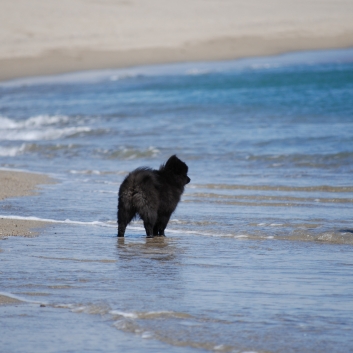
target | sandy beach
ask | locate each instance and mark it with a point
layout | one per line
(41, 37)
(16, 184)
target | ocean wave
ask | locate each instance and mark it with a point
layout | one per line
(48, 134)
(12, 151)
(48, 150)
(39, 128)
(86, 172)
(150, 314)
(129, 153)
(124, 75)
(198, 72)
(35, 121)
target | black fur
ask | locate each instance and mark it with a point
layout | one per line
(153, 195)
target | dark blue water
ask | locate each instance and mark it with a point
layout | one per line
(258, 256)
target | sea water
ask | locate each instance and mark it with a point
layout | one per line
(258, 255)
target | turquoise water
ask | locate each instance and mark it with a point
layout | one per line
(258, 255)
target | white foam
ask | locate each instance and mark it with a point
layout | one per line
(197, 72)
(124, 314)
(79, 309)
(96, 172)
(64, 306)
(136, 229)
(40, 134)
(66, 221)
(12, 151)
(37, 128)
(219, 347)
(106, 192)
(186, 232)
(192, 232)
(122, 76)
(6, 123)
(147, 334)
(34, 121)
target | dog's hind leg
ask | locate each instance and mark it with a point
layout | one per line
(125, 215)
(161, 225)
(121, 230)
(149, 229)
(158, 230)
(149, 219)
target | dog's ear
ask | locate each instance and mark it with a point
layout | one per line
(172, 161)
(175, 165)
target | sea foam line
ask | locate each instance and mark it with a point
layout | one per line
(34, 121)
(98, 223)
(67, 221)
(130, 228)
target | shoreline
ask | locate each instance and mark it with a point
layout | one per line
(63, 61)
(20, 184)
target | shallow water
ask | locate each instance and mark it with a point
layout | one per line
(258, 256)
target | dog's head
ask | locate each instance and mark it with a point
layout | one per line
(178, 168)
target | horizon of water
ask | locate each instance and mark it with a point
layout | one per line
(258, 254)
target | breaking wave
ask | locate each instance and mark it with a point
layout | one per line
(129, 153)
(38, 128)
(35, 121)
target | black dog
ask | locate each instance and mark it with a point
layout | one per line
(153, 195)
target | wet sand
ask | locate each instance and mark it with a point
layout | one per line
(67, 36)
(24, 228)
(16, 184)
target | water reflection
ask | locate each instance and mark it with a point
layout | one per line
(157, 248)
(157, 258)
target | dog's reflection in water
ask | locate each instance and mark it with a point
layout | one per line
(155, 249)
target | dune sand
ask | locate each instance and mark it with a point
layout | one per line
(40, 37)
(15, 184)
